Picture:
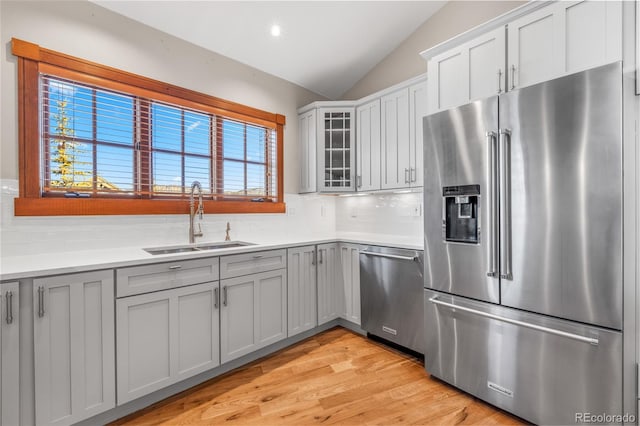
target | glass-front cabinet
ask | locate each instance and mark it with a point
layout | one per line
(336, 149)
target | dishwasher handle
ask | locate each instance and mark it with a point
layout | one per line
(390, 256)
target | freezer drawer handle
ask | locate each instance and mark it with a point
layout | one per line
(390, 256)
(577, 337)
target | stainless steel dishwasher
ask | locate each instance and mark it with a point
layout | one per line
(391, 294)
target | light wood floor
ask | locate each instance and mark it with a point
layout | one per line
(337, 377)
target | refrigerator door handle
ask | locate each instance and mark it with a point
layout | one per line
(590, 340)
(505, 205)
(492, 203)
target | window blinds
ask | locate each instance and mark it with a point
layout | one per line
(98, 142)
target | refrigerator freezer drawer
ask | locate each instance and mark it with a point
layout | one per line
(545, 370)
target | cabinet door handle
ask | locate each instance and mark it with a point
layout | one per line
(40, 301)
(313, 258)
(9, 300)
(406, 175)
(412, 174)
(320, 251)
(359, 181)
(216, 298)
(224, 295)
(513, 77)
(174, 267)
(499, 80)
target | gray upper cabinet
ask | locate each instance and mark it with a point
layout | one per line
(551, 41)
(74, 347)
(473, 70)
(307, 146)
(563, 38)
(368, 146)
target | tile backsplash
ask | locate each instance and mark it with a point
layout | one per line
(310, 216)
(396, 214)
(307, 217)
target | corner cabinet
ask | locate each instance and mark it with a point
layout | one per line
(74, 347)
(9, 354)
(326, 140)
(550, 41)
(336, 153)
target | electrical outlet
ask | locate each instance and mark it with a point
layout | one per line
(291, 211)
(323, 210)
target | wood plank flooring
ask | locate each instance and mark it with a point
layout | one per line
(336, 377)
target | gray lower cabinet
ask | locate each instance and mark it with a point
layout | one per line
(74, 347)
(350, 268)
(165, 337)
(253, 312)
(330, 288)
(302, 298)
(10, 354)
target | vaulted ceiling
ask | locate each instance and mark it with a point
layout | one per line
(324, 46)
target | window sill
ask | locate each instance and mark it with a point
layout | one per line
(94, 206)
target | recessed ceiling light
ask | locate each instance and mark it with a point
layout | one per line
(275, 30)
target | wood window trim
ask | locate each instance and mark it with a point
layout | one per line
(32, 59)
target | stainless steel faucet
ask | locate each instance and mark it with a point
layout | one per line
(193, 211)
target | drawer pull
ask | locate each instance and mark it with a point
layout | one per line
(258, 256)
(9, 307)
(174, 267)
(41, 302)
(590, 340)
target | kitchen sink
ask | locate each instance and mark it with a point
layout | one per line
(200, 247)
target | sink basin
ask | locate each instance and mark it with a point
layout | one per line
(170, 250)
(201, 247)
(222, 245)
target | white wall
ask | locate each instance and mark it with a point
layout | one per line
(405, 62)
(85, 30)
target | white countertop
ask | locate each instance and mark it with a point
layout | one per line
(39, 265)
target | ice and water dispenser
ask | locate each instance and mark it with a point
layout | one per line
(460, 221)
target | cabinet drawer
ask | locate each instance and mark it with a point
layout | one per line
(251, 263)
(144, 279)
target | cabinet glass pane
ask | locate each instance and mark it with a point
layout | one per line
(336, 149)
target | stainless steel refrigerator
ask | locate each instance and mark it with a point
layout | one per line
(523, 248)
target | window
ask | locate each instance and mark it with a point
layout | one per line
(110, 142)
